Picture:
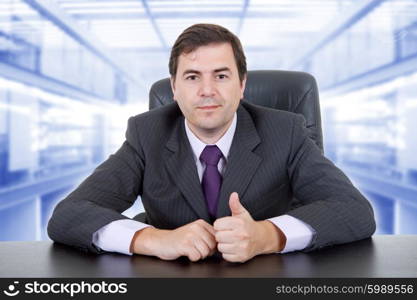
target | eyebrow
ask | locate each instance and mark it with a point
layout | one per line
(188, 71)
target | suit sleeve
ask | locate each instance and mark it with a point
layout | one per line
(329, 202)
(101, 198)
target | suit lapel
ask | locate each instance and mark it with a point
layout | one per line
(180, 163)
(242, 163)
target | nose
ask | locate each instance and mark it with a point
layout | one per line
(207, 88)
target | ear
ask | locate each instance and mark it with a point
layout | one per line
(172, 81)
(242, 86)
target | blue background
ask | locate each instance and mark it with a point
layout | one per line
(73, 71)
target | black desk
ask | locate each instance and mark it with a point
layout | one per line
(380, 256)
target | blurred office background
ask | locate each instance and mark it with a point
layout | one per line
(73, 71)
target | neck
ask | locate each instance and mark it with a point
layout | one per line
(209, 136)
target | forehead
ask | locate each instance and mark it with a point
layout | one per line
(209, 57)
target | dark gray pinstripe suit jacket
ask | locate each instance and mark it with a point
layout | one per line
(271, 161)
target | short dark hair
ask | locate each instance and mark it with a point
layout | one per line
(199, 35)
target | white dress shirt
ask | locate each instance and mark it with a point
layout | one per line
(117, 235)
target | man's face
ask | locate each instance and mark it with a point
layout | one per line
(207, 87)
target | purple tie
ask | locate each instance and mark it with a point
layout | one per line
(212, 180)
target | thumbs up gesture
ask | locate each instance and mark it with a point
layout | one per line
(239, 237)
(237, 208)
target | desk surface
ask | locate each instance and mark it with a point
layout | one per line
(379, 256)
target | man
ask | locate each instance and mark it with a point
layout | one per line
(214, 173)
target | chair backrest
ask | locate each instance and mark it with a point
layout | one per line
(296, 92)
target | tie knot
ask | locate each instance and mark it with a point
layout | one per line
(211, 155)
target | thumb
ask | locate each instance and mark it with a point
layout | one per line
(235, 206)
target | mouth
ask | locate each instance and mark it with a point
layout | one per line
(209, 107)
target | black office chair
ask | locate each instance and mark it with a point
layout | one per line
(296, 92)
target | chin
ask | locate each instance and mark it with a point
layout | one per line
(209, 125)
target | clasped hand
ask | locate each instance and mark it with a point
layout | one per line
(238, 237)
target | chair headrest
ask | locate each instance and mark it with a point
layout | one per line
(296, 92)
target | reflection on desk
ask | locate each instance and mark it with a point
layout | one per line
(379, 256)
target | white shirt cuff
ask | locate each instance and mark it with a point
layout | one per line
(298, 233)
(117, 235)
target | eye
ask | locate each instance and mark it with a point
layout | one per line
(191, 77)
(222, 76)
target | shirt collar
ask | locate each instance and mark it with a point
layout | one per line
(224, 143)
